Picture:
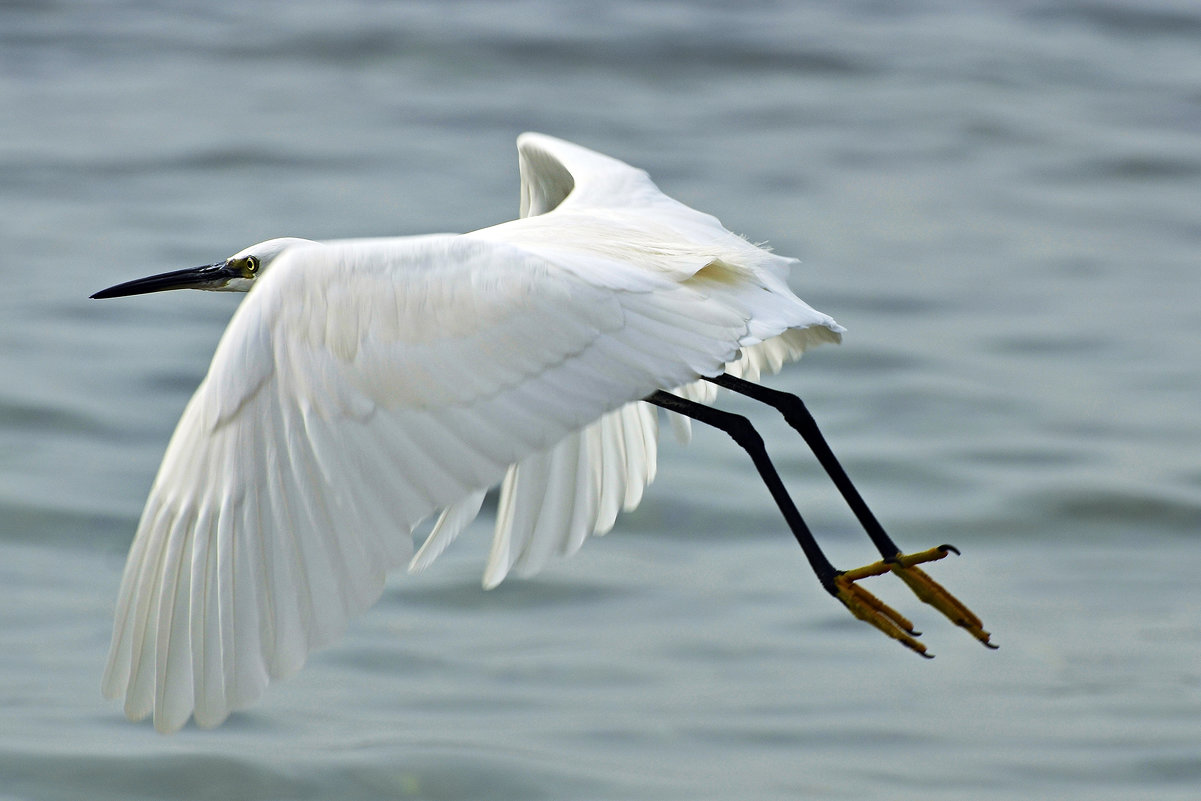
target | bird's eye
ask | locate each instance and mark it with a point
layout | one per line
(247, 266)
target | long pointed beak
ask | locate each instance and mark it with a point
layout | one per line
(210, 276)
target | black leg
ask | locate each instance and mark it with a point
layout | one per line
(797, 415)
(902, 565)
(742, 432)
(838, 583)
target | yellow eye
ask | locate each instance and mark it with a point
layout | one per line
(250, 266)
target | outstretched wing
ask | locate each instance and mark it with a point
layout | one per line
(361, 386)
(553, 500)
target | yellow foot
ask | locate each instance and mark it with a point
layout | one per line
(871, 609)
(866, 606)
(927, 589)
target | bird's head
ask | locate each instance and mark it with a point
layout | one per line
(235, 274)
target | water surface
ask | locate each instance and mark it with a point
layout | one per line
(997, 200)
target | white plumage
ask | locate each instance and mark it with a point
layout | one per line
(364, 385)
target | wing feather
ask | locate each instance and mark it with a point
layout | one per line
(205, 625)
(243, 585)
(450, 524)
(173, 695)
(565, 496)
(553, 500)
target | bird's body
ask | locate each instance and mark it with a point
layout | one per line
(364, 385)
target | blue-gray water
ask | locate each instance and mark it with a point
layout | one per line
(999, 200)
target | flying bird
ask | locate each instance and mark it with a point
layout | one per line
(365, 385)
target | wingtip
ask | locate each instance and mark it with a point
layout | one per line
(490, 581)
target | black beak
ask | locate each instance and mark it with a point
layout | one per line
(210, 276)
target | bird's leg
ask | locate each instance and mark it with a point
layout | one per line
(859, 601)
(904, 566)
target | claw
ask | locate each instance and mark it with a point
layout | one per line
(870, 609)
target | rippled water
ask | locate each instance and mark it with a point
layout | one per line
(999, 200)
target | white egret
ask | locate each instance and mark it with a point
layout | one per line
(365, 384)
